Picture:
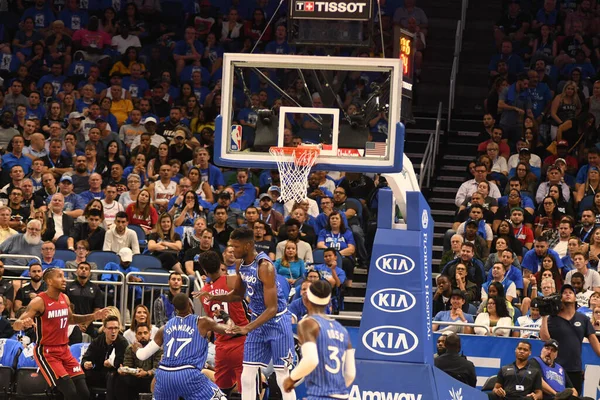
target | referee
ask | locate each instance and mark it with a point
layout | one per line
(519, 380)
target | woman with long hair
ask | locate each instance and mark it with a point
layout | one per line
(591, 186)
(256, 27)
(594, 248)
(534, 143)
(499, 244)
(290, 265)
(47, 94)
(165, 244)
(192, 109)
(527, 179)
(505, 231)
(336, 235)
(68, 105)
(188, 211)
(550, 270)
(185, 92)
(141, 315)
(142, 213)
(112, 310)
(563, 206)
(494, 314)
(112, 155)
(108, 21)
(547, 218)
(496, 290)
(155, 164)
(133, 19)
(565, 106)
(491, 102)
(130, 57)
(544, 46)
(200, 187)
(53, 114)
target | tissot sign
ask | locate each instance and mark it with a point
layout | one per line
(356, 10)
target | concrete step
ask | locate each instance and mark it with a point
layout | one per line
(444, 189)
(455, 157)
(354, 299)
(449, 178)
(443, 212)
(440, 200)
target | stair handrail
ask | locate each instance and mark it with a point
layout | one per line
(460, 27)
(428, 161)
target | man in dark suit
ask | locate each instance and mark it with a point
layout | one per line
(58, 223)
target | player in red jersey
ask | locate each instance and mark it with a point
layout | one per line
(50, 314)
(229, 350)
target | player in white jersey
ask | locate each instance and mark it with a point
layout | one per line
(327, 354)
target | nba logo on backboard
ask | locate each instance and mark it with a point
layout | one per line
(236, 137)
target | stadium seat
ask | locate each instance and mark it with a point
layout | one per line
(472, 309)
(30, 384)
(61, 243)
(180, 230)
(518, 313)
(356, 203)
(7, 375)
(145, 261)
(78, 350)
(101, 258)
(141, 236)
(489, 384)
(65, 255)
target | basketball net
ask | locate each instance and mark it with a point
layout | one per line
(294, 164)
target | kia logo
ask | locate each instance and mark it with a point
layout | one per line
(389, 340)
(393, 300)
(395, 264)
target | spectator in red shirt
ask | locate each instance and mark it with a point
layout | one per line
(562, 148)
(497, 133)
(90, 43)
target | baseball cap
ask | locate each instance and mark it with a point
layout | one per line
(551, 343)
(76, 115)
(225, 195)
(560, 160)
(525, 150)
(126, 254)
(66, 178)
(535, 303)
(565, 287)
(471, 222)
(562, 143)
(100, 119)
(552, 167)
(265, 195)
(459, 293)
(150, 119)
(274, 189)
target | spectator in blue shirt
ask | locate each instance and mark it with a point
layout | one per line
(532, 260)
(74, 204)
(187, 50)
(337, 236)
(540, 93)
(280, 44)
(35, 109)
(73, 17)
(135, 84)
(455, 314)
(586, 68)
(55, 77)
(513, 61)
(16, 157)
(41, 14)
(593, 160)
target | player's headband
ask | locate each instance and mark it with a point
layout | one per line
(313, 298)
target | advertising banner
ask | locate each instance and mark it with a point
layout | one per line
(344, 10)
(396, 323)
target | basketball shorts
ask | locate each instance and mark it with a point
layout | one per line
(56, 362)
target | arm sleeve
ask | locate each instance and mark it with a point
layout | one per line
(107, 241)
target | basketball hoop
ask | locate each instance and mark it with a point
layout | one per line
(294, 164)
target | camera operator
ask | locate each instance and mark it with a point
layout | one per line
(569, 328)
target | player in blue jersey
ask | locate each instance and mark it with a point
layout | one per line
(327, 354)
(269, 334)
(179, 373)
